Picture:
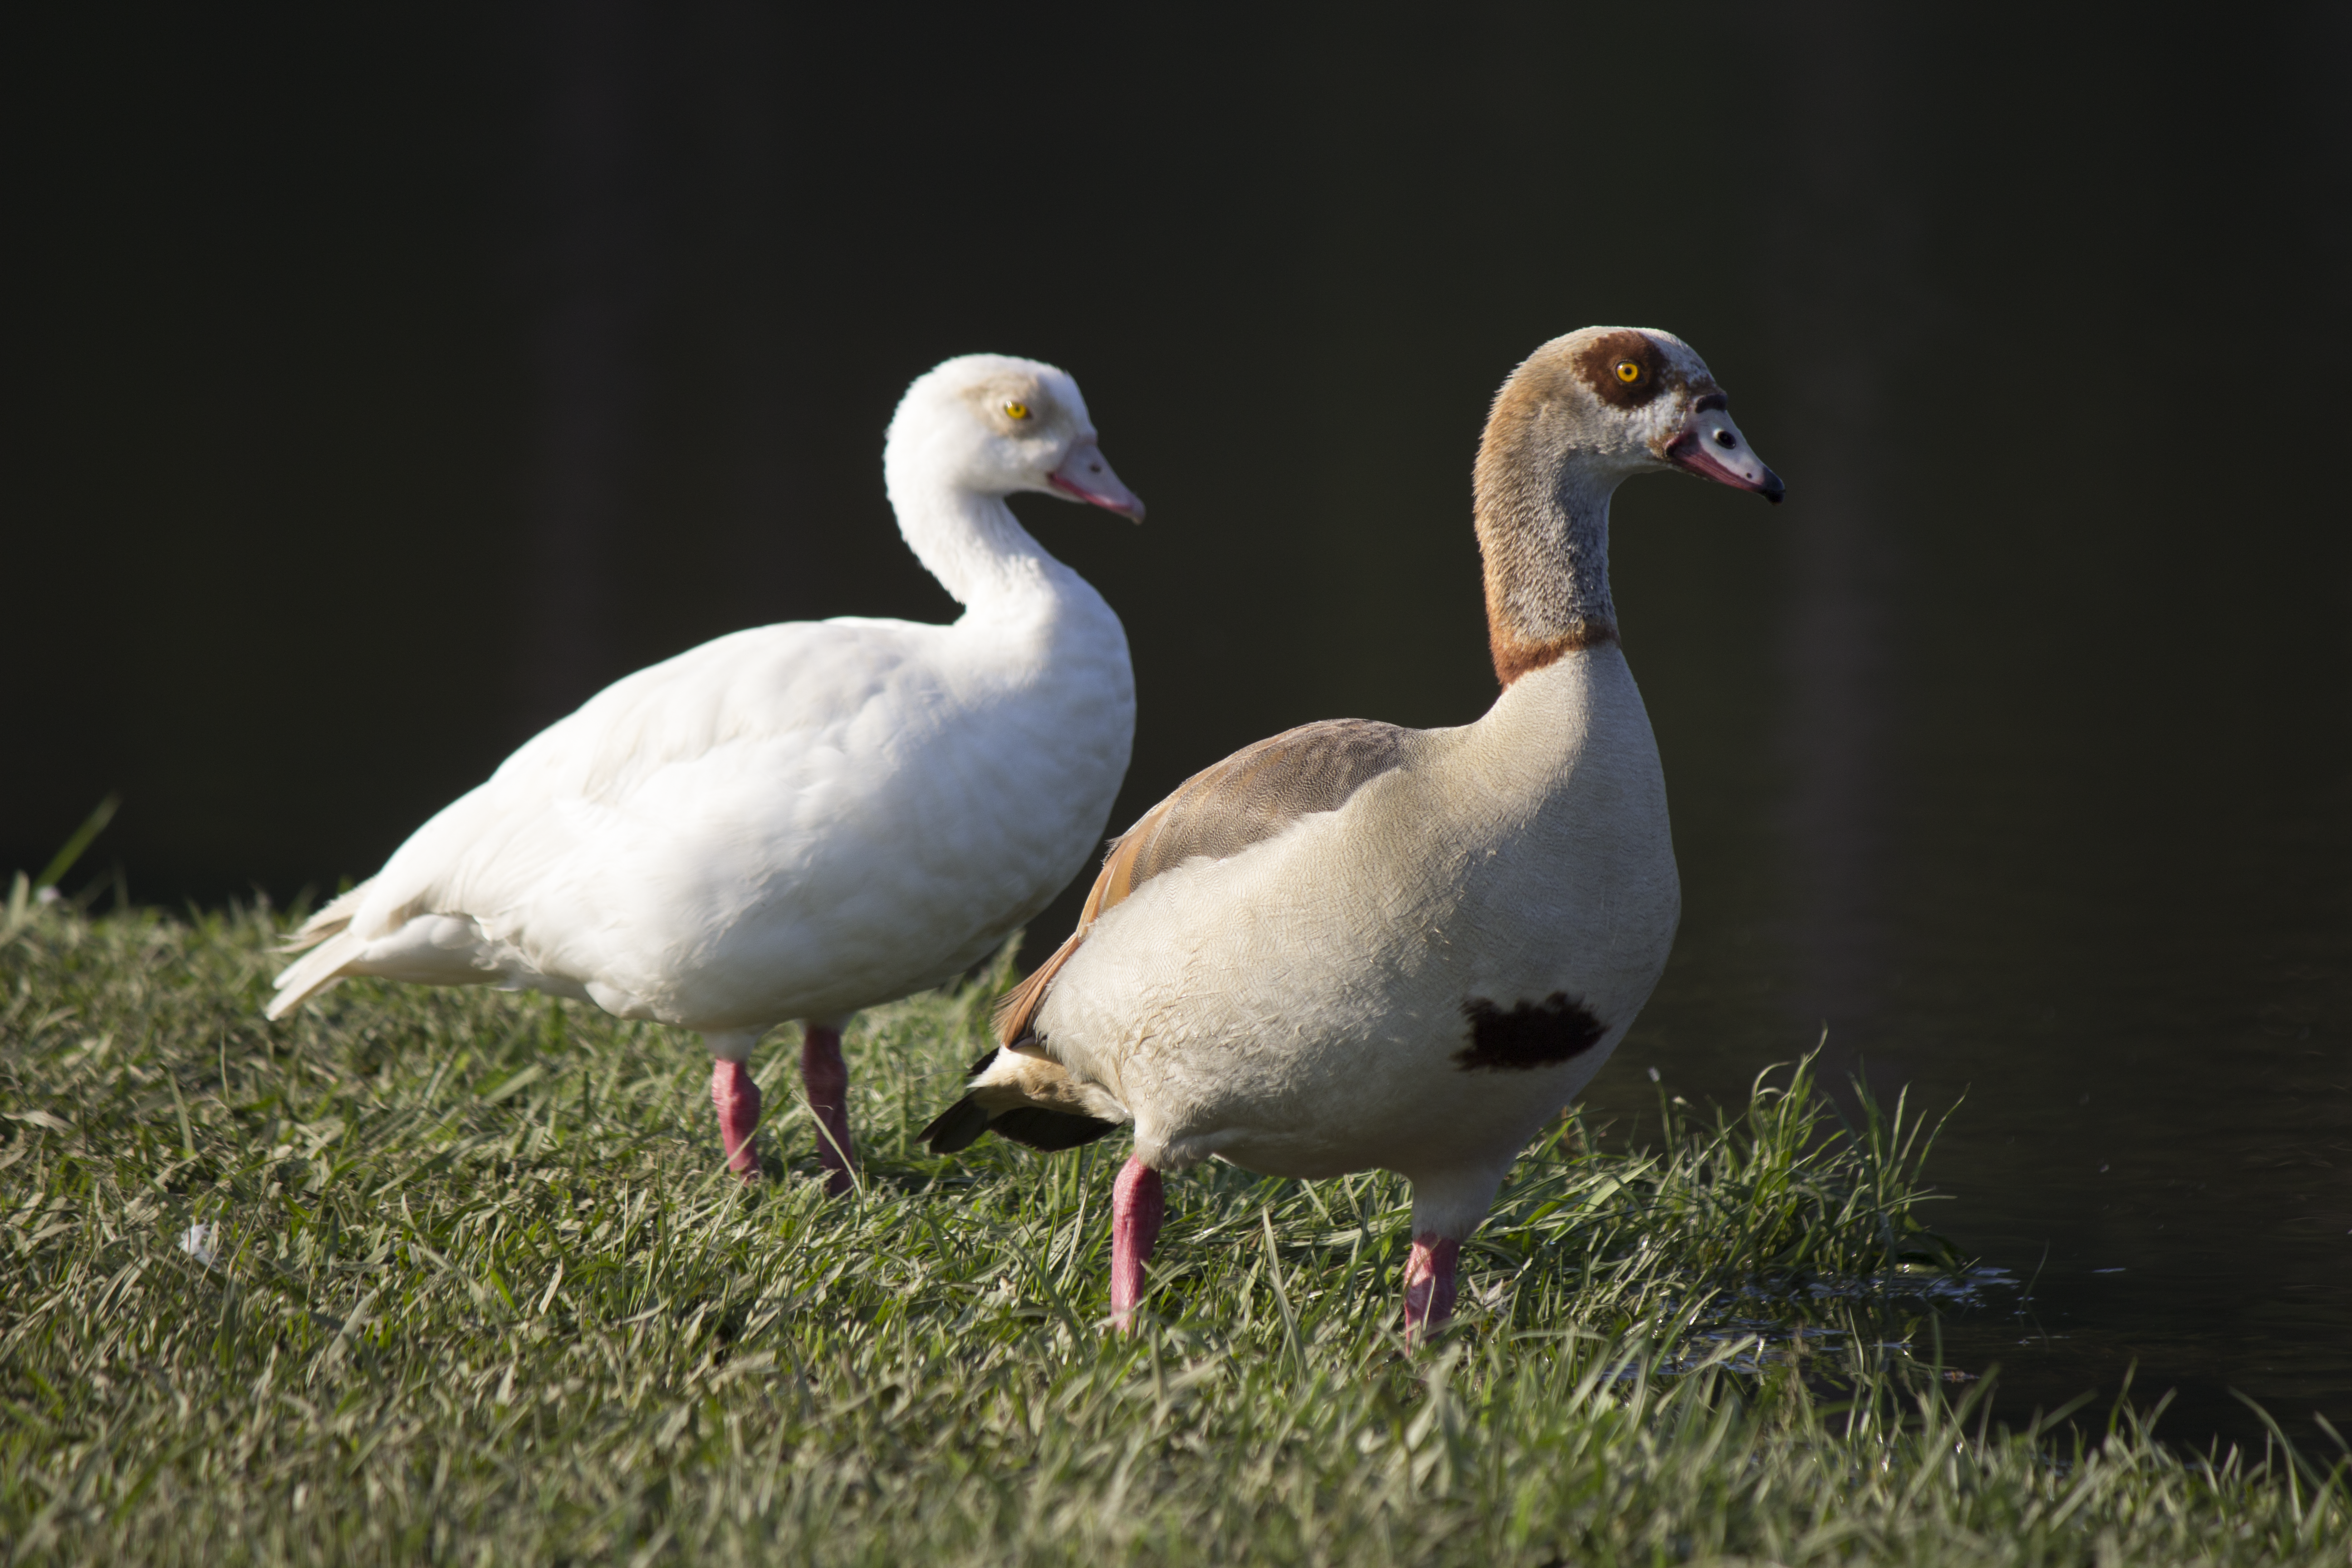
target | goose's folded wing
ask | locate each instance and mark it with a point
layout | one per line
(713, 711)
(1251, 796)
(807, 680)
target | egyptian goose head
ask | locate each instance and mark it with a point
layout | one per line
(1585, 412)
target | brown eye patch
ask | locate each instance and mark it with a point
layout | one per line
(1603, 366)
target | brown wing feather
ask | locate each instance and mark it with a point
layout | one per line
(1020, 1004)
(1219, 812)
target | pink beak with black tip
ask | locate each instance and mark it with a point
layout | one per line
(1086, 475)
(1711, 446)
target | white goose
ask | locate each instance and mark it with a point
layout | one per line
(798, 821)
(1356, 946)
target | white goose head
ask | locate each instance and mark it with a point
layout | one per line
(990, 425)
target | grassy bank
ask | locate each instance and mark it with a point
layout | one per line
(467, 1286)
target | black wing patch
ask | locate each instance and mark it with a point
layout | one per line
(1527, 1035)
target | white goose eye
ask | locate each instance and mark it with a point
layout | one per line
(1016, 411)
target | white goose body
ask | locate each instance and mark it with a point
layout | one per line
(798, 821)
(1354, 947)
(791, 822)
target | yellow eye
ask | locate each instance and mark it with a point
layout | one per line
(1017, 410)
(1628, 372)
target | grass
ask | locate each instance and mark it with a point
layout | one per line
(476, 1291)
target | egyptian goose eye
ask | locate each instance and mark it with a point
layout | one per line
(1016, 410)
(1628, 372)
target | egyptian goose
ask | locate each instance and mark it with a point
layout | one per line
(798, 821)
(1358, 946)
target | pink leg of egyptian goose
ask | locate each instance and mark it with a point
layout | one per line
(1137, 1207)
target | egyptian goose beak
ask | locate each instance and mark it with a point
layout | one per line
(1711, 446)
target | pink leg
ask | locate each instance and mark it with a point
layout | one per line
(1137, 1207)
(827, 1078)
(737, 1100)
(1429, 1283)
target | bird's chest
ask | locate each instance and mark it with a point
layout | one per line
(1027, 763)
(1579, 898)
(962, 793)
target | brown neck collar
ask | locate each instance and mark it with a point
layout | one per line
(1516, 656)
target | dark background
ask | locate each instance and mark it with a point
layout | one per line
(382, 381)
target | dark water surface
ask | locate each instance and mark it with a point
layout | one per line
(382, 384)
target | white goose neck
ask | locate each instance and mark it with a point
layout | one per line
(970, 541)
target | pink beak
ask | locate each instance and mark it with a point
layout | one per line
(1086, 475)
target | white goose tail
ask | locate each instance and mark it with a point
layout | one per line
(331, 944)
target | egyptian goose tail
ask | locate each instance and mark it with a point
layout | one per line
(1028, 1099)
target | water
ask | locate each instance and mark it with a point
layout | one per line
(386, 387)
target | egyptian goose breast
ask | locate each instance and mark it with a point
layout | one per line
(798, 821)
(1356, 946)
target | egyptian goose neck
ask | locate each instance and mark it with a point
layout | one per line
(1543, 529)
(1544, 477)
